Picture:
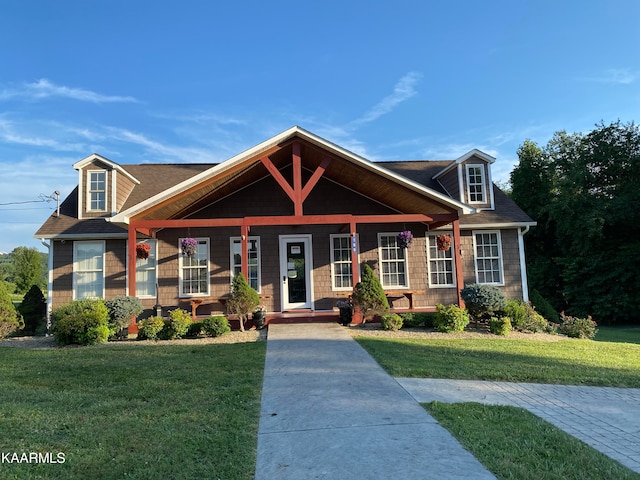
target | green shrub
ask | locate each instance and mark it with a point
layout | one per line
(216, 325)
(10, 319)
(543, 307)
(243, 299)
(194, 329)
(577, 327)
(418, 319)
(524, 317)
(122, 310)
(451, 318)
(176, 325)
(149, 328)
(483, 301)
(33, 310)
(391, 321)
(369, 296)
(500, 325)
(82, 322)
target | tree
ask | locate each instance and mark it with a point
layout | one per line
(583, 189)
(28, 268)
(33, 309)
(243, 299)
(368, 295)
(10, 320)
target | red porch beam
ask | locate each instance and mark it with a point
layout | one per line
(339, 218)
(458, 261)
(315, 177)
(275, 173)
(297, 179)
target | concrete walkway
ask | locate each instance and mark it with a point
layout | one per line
(330, 411)
(605, 418)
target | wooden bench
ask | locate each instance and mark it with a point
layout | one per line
(390, 294)
(197, 301)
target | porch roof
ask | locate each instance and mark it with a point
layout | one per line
(386, 186)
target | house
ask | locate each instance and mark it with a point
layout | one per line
(298, 215)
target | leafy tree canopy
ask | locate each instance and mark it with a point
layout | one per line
(584, 192)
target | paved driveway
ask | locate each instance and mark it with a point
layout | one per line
(606, 418)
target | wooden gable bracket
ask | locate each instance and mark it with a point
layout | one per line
(297, 193)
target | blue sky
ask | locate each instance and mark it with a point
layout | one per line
(200, 81)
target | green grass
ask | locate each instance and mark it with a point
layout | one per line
(513, 443)
(625, 334)
(567, 362)
(141, 412)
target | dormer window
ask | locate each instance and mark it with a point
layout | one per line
(97, 191)
(475, 184)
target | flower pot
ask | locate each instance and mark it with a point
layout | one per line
(443, 242)
(258, 319)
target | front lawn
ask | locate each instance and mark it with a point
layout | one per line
(513, 443)
(126, 411)
(566, 362)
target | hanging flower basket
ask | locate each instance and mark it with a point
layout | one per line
(443, 242)
(143, 250)
(404, 239)
(189, 246)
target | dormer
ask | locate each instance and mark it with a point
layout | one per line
(103, 186)
(468, 179)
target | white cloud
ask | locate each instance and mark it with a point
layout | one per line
(402, 91)
(618, 76)
(43, 88)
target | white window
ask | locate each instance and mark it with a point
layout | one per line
(97, 191)
(475, 184)
(194, 270)
(440, 263)
(393, 262)
(341, 272)
(88, 270)
(254, 260)
(488, 249)
(146, 272)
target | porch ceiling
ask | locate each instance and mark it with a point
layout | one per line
(352, 175)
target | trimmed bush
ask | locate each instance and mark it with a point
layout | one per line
(33, 310)
(544, 308)
(82, 322)
(483, 301)
(122, 310)
(500, 325)
(391, 321)
(524, 317)
(418, 319)
(176, 325)
(149, 328)
(216, 326)
(10, 319)
(577, 327)
(368, 295)
(194, 329)
(451, 318)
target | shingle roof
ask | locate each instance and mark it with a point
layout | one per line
(156, 178)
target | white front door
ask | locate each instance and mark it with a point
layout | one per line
(295, 271)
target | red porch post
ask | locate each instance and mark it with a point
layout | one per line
(244, 248)
(355, 271)
(131, 248)
(458, 260)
